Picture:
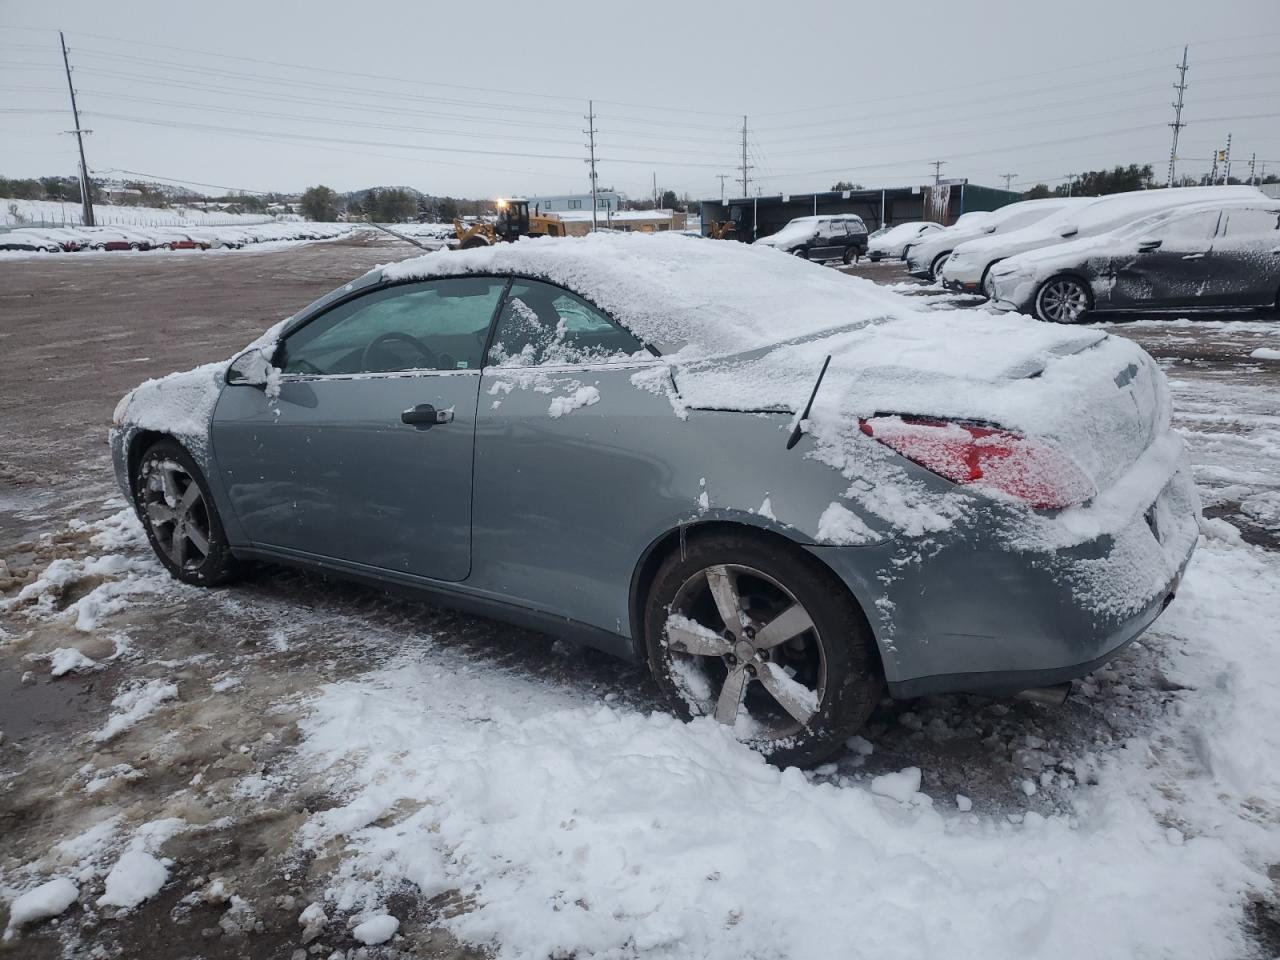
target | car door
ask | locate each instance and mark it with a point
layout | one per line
(1168, 266)
(1244, 261)
(564, 492)
(364, 454)
(832, 236)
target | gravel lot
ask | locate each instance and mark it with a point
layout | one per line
(230, 670)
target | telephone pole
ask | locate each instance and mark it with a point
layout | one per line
(937, 172)
(745, 167)
(1008, 179)
(723, 177)
(1181, 87)
(1071, 182)
(1253, 162)
(1226, 162)
(86, 200)
(591, 159)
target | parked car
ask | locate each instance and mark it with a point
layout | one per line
(604, 425)
(838, 237)
(61, 238)
(968, 267)
(31, 241)
(927, 255)
(892, 243)
(1210, 256)
(174, 238)
(114, 238)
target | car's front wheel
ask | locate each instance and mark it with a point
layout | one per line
(758, 636)
(179, 516)
(936, 268)
(850, 254)
(1062, 300)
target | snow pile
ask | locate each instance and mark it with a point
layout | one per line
(40, 903)
(583, 830)
(1265, 353)
(136, 876)
(66, 660)
(377, 929)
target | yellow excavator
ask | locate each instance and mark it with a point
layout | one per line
(723, 230)
(513, 221)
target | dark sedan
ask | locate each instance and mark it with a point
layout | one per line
(1205, 257)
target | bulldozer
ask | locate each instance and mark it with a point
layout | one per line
(513, 221)
(723, 230)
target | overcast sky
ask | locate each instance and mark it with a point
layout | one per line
(486, 99)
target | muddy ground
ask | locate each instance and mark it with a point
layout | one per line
(77, 332)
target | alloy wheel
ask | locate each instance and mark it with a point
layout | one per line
(1063, 300)
(741, 648)
(176, 512)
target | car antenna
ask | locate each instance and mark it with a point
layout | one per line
(399, 236)
(797, 432)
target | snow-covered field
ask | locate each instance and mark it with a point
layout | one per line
(18, 213)
(289, 764)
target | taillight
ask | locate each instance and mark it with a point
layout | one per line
(1035, 471)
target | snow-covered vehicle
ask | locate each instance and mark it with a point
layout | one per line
(834, 237)
(926, 256)
(179, 238)
(595, 437)
(968, 267)
(892, 243)
(30, 241)
(48, 239)
(114, 238)
(1213, 255)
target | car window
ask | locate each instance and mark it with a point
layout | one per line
(1242, 224)
(1191, 231)
(542, 324)
(433, 325)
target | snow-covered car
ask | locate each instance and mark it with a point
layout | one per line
(835, 237)
(29, 241)
(926, 256)
(179, 238)
(968, 267)
(595, 437)
(114, 238)
(892, 243)
(1215, 256)
(51, 239)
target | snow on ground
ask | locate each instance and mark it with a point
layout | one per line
(18, 213)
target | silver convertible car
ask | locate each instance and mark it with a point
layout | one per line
(783, 488)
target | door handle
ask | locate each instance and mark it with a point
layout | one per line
(424, 416)
(1193, 256)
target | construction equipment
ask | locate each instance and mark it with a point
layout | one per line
(513, 221)
(723, 230)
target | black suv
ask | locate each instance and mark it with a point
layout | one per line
(840, 236)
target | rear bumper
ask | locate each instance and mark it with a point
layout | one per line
(976, 616)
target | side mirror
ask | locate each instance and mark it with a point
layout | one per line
(1148, 244)
(1070, 230)
(989, 228)
(251, 369)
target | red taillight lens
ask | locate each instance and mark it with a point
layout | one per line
(1036, 472)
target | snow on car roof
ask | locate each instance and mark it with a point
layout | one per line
(708, 297)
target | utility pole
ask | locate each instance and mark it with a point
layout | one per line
(1008, 179)
(591, 158)
(1226, 167)
(745, 167)
(1253, 160)
(655, 190)
(1181, 87)
(1071, 182)
(86, 200)
(723, 177)
(937, 172)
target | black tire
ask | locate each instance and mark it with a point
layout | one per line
(850, 255)
(178, 522)
(936, 266)
(800, 252)
(475, 242)
(836, 652)
(1054, 299)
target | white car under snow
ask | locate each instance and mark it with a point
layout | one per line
(892, 243)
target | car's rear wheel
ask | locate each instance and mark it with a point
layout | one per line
(850, 254)
(1062, 300)
(800, 252)
(181, 521)
(936, 267)
(756, 635)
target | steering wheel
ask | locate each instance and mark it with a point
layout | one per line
(427, 353)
